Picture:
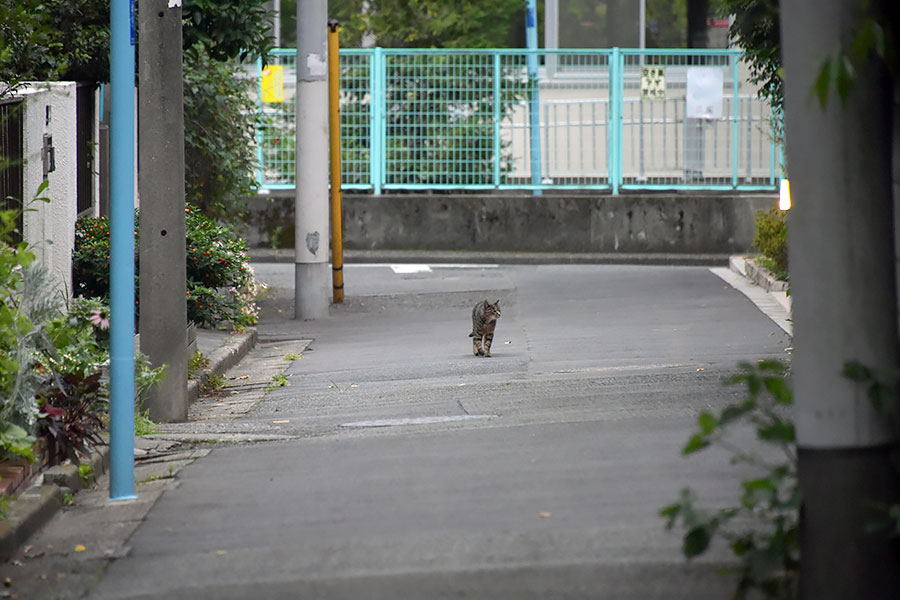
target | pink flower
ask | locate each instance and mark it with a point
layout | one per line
(98, 318)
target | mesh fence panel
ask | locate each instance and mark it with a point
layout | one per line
(503, 119)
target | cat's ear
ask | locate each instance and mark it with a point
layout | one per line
(497, 303)
(487, 304)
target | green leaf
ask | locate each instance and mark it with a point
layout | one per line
(779, 431)
(856, 371)
(843, 76)
(734, 412)
(779, 389)
(697, 442)
(697, 540)
(42, 188)
(772, 366)
(823, 83)
(670, 513)
(707, 423)
(863, 41)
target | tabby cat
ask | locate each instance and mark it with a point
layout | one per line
(484, 319)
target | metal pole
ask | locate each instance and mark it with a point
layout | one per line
(551, 35)
(535, 106)
(334, 129)
(496, 117)
(311, 204)
(121, 276)
(642, 23)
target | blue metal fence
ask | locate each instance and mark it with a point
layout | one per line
(615, 119)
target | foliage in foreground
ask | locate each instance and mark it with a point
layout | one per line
(762, 530)
(53, 357)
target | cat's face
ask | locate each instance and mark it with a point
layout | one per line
(492, 311)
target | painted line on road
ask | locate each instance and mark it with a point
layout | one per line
(763, 300)
(419, 267)
(415, 421)
(619, 368)
(403, 269)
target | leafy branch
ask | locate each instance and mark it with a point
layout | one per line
(762, 530)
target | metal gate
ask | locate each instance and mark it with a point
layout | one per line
(12, 162)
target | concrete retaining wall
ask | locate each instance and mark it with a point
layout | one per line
(647, 223)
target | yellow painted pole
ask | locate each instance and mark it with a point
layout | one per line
(334, 127)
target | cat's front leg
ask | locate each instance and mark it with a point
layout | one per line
(476, 346)
(488, 338)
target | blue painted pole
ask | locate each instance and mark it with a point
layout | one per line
(496, 118)
(377, 152)
(531, 61)
(735, 118)
(121, 270)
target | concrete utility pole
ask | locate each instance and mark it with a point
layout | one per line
(163, 306)
(845, 305)
(311, 276)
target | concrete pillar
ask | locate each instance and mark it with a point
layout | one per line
(163, 305)
(845, 305)
(312, 278)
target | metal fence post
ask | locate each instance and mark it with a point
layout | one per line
(735, 117)
(616, 83)
(376, 124)
(260, 168)
(496, 117)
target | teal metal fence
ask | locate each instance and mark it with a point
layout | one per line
(613, 120)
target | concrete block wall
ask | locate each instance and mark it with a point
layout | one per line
(675, 223)
(50, 228)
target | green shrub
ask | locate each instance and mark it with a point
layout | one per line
(219, 137)
(220, 283)
(771, 240)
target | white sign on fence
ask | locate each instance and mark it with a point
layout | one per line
(704, 92)
(653, 83)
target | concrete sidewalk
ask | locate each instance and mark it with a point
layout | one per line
(46, 492)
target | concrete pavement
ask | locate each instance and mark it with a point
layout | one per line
(532, 441)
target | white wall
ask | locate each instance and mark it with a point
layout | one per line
(50, 228)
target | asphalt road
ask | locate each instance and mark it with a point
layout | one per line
(415, 470)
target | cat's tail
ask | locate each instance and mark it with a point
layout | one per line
(472, 334)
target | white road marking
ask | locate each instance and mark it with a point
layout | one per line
(402, 269)
(415, 421)
(419, 267)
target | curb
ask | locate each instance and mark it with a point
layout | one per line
(222, 359)
(747, 268)
(35, 506)
(285, 255)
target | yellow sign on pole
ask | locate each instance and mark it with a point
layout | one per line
(273, 83)
(653, 83)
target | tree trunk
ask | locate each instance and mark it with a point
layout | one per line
(697, 16)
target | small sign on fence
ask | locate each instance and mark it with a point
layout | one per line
(653, 83)
(704, 94)
(272, 84)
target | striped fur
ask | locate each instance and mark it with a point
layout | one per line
(484, 319)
